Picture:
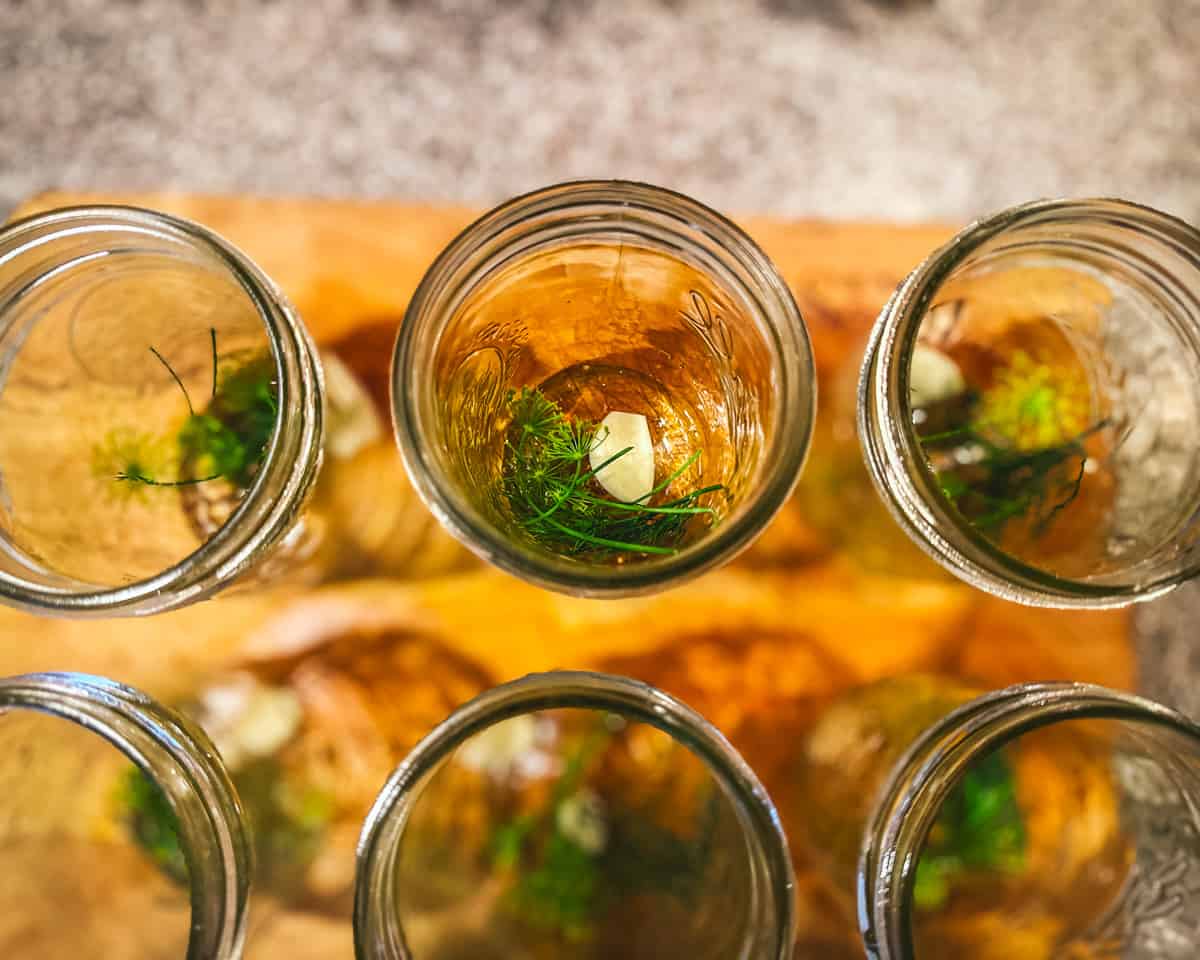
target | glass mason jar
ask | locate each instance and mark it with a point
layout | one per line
(160, 413)
(1048, 821)
(573, 814)
(120, 833)
(603, 388)
(1029, 403)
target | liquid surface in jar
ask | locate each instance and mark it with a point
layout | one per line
(603, 402)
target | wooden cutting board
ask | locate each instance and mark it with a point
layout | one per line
(831, 596)
(350, 268)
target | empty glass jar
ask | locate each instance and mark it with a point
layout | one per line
(604, 388)
(160, 413)
(1029, 403)
(120, 834)
(573, 815)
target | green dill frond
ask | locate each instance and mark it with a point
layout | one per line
(549, 485)
(564, 882)
(134, 459)
(227, 440)
(231, 437)
(979, 827)
(992, 484)
(532, 412)
(152, 822)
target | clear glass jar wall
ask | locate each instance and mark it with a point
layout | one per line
(594, 343)
(160, 413)
(573, 815)
(1029, 402)
(1042, 821)
(120, 833)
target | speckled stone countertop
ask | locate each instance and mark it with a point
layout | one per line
(880, 109)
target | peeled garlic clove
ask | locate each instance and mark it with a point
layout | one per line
(631, 476)
(933, 376)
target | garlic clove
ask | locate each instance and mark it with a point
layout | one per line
(631, 476)
(933, 376)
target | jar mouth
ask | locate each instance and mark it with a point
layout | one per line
(891, 446)
(909, 801)
(180, 760)
(625, 206)
(290, 461)
(377, 929)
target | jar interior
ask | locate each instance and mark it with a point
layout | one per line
(1077, 838)
(577, 833)
(1054, 392)
(138, 397)
(568, 331)
(92, 862)
(1030, 850)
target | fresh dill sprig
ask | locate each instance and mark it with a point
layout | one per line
(564, 880)
(152, 822)
(1015, 451)
(558, 881)
(554, 499)
(979, 827)
(228, 440)
(1001, 483)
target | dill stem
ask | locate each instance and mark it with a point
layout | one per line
(946, 435)
(151, 482)
(671, 479)
(614, 544)
(694, 495)
(1066, 501)
(595, 470)
(642, 508)
(575, 484)
(212, 336)
(568, 489)
(175, 377)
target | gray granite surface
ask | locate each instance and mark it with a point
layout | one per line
(836, 108)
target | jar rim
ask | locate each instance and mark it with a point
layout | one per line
(377, 932)
(788, 447)
(918, 783)
(289, 466)
(889, 443)
(180, 759)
